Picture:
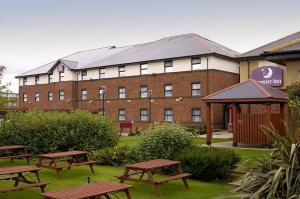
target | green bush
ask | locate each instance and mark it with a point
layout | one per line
(114, 156)
(163, 141)
(208, 163)
(47, 132)
(197, 130)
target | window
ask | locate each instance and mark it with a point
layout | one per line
(84, 94)
(50, 96)
(122, 115)
(196, 63)
(144, 91)
(144, 69)
(36, 79)
(50, 78)
(101, 93)
(84, 75)
(169, 115)
(25, 97)
(122, 93)
(168, 90)
(121, 71)
(37, 97)
(144, 115)
(61, 95)
(61, 76)
(102, 73)
(196, 89)
(168, 66)
(196, 115)
(24, 81)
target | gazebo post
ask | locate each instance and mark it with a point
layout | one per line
(208, 124)
(269, 119)
(234, 123)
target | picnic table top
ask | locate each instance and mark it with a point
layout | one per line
(152, 164)
(17, 169)
(12, 147)
(63, 154)
(87, 190)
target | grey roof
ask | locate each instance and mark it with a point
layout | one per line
(166, 48)
(258, 51)
(249, 89)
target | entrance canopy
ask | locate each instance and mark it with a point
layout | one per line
(248, 92)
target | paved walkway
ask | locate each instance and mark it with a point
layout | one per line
(228, 144)
(219, 134)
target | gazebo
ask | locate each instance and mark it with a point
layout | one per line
(246, 125)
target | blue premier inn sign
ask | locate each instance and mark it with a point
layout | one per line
(268, 75)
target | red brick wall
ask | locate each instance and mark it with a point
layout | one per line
(181, 81)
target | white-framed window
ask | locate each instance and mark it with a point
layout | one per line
(168, 65)
(50, 96)
(196, 89)
(122, 93)
(37, 80)
(101, 73)
(84, 94)
(37, 97)
(144, 91)
(101, 93)
(121, 114)
(50, 78)
(61, 95)
(61, 76)
(144, 69)
(84, 75)
(24, 81)
(144, 115)
(168, 90)
(196, 63)
(121, 71)
(168, 115)
(196, 115)
(25, 97)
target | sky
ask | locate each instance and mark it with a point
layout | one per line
(35, 32)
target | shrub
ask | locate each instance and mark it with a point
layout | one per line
(208, 163)
(163, 141)
(114, 156)
(197, 130)
(47, 132)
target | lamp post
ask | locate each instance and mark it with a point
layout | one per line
(102, 93)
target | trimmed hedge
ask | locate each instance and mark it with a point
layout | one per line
(163, 141)
(115, 156)
(206, 163)
(46, 132)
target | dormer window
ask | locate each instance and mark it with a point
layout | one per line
(84, 75)
(121, 71)
(101, 73)
(37, 80)
(196, 63)
(50, 78)
(24, 81)
(61, 76)
(168, 66)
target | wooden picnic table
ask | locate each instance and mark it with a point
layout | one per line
(72, 158)
(17, 174)
(14, 151)
(151, 168)
(93, 190)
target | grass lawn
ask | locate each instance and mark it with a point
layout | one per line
(173, 189)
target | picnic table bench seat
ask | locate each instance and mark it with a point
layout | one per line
(22, 187)
(172, 177)
(93, 190)
(13, 152)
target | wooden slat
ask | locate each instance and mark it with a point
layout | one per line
(174, 177)
(152, 164)
(63, 154)
(17, 169)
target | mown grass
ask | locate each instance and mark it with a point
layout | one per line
(174, 189)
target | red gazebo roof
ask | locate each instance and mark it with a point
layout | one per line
(249, 91)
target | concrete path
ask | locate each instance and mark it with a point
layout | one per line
(219, 134)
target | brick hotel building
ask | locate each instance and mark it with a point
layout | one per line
(145, 83)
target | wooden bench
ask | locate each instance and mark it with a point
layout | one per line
(93, 190)
(72, 158)
(150, 168)
(16, 173)
(14, 152)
